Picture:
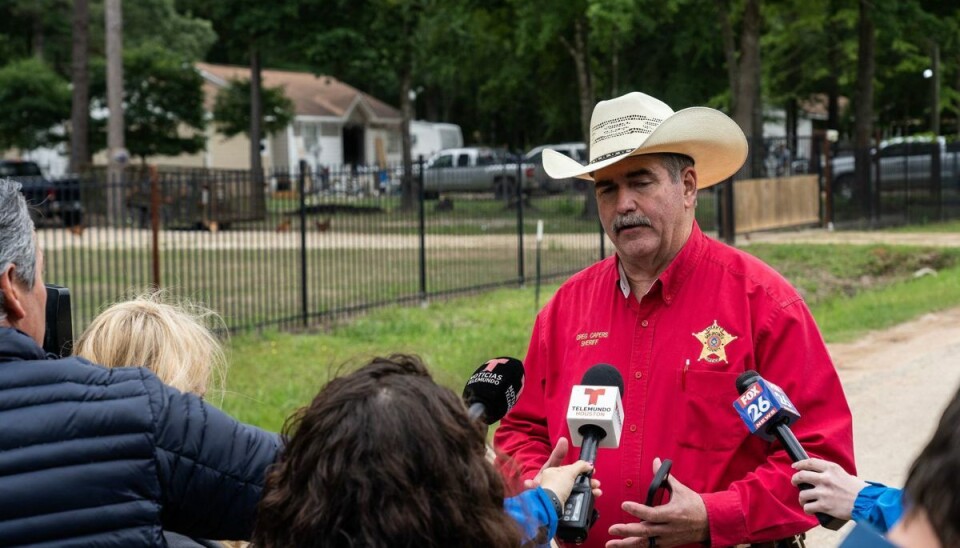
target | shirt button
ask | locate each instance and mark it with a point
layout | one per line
(638, 374)
(643, 323)
(628, 483)
(633, 427)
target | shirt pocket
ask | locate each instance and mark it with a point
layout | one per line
(709, 420)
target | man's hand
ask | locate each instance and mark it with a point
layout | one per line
(683, 520)
(556, 457)
(834, 491)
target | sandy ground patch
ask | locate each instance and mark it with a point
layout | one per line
(897, 381)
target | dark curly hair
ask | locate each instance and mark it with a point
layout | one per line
(933, 484)
(384, 457)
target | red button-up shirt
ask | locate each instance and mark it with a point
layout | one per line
(712, 314)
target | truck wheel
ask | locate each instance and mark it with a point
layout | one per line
(72, 218)
(505, 188)
(844, 187)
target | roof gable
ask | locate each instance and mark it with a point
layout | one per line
(311, 95)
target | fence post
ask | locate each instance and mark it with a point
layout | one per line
(423, 231)
(155, 227)
(301, 183)
(603, 241)
(936, 179)
(727, 222)
(520, 268)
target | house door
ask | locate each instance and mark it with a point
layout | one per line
(353, 152)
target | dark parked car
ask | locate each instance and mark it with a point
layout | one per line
(50, 200)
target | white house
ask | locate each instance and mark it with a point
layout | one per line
(335, 124)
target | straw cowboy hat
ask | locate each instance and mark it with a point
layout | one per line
(639, 124)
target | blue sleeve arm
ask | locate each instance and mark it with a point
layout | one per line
(878, 505)
(534, 512)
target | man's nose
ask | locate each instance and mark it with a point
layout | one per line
(625, 201)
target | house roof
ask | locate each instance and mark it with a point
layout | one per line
(312, 95)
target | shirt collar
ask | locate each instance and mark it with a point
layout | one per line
(672, 279)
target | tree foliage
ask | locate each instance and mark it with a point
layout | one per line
(163, 103)
(231, 110)
(34, 101)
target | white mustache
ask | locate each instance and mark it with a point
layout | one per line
(630, 221)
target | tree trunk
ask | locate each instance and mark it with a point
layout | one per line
(409, 185)
(580, 52)
(80, 111)
(749, 111)
(935, 89)
(116, 148)
(833, 69)
(256, 117)
(37, 37)
(729, 52)
(864, 111)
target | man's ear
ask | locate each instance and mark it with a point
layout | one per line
(12, 294)
(689, 180)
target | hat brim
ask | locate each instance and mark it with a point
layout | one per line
(714, 141)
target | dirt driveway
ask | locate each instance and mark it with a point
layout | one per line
(898, 382)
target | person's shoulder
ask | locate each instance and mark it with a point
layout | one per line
(752, 272)
(584, 280)
(598, 272)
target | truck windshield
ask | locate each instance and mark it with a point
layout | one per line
(19, 169)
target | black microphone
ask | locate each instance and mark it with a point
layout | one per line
(769, 413)
(595, 419)
(493, 389)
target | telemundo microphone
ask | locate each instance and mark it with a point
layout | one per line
(493, 389)
(768, 413)
(595, 419)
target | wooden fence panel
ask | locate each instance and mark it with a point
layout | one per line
(765, 204)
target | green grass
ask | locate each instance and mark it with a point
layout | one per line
(946, 226)
(845, 319)
(273, 373)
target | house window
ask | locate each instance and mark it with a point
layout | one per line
(393, 142)
(329, 130)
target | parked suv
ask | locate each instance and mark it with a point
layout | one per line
(49, 200)
(577, 151)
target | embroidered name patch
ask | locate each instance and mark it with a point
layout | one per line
(714, 339)
(591, 338)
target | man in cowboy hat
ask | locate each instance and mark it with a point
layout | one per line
(681, 316)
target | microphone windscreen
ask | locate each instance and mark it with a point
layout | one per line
(496, 385)
(745, 379)
(603, 374)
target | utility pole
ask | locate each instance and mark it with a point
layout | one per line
(116, 148)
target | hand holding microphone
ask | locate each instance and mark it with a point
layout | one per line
(768, 413)
(595, 419)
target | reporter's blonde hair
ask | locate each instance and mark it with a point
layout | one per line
(172, 339)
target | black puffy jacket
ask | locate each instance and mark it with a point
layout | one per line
(91, 456)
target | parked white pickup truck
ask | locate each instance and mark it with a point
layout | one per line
(475, 169)
(905, 162)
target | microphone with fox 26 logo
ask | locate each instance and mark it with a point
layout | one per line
(768, 413)
(595, 419)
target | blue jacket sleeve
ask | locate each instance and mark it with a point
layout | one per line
(879, 506)
(211, 467)
(534, 512)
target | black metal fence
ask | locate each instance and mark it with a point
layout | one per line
(901, 181)
(305, 246)
(301, 247)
